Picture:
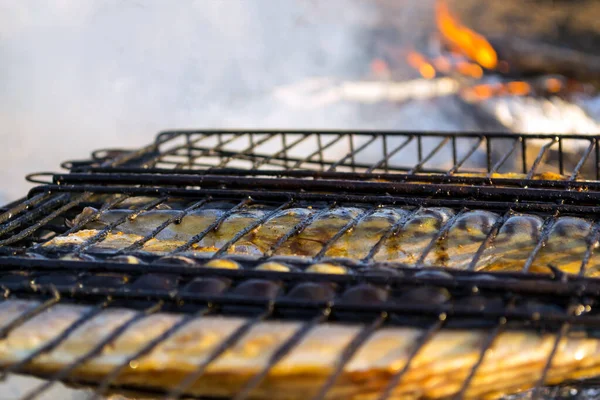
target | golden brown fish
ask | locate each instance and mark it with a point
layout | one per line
(514, 361)
(421, 237)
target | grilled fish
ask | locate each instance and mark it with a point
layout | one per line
(422, 237)
(514, 361)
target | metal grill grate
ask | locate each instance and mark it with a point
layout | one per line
(549, 182)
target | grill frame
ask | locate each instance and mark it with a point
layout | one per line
(114, 172)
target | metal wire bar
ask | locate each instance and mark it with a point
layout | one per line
(536, 390)
(116, 199)
(460, 163)
(597, 147)
(229, 342)
(352, 153)
(385, 151)
(422, 161)
(214, 226)
(561, 163)
(346, 228)
(53, 343)
(582, 161)
(103, 386)
(564, 329)
(255, 225)
(422, 340)
(108, 228)
(338, 187)
(440, 235)
(283, 350)
(298, 228)
(66, 371)
(139, 243)
(484, 349)
(592, 240)
(484, 203)
(248, 150)
(505, 157)
(539, 158)
(319, 152)
(221, 144)
(283, 151)
(22, 206)
(393, 230)
(25, 218)
(385, 160)
(546, 228)
(348, 352)
(486, 244)
(524, 156)
(29, 314)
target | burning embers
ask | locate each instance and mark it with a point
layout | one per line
(463, 39)
(463, 54)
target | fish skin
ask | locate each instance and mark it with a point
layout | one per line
(507, 250)
(514, 361)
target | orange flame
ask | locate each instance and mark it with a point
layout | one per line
(472, 44)
(418, 62)
(486, 91)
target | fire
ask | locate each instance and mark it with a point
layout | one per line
(418, 62)
(486, 91)
(470, 43)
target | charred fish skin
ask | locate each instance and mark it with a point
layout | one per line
(458, 247)
(513, 244)
(507, 249)
(565, 248)
(407, 245)
(357, 242)
(313, 237)
(264, 237)
(514, 361)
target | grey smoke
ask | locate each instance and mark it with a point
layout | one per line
(78, 75)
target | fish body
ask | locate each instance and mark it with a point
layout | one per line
(514, 361)
(425, 237)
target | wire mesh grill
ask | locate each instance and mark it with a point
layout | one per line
(527, 207)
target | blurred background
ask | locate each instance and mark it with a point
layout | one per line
(78, 75)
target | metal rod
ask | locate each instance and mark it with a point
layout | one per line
(546, 229)
(283, 350)
(298, 228)
(421, 341)
(319, 152)
(66, 371)
(108, 228)
(459, 164)
(350, 225)
(227, 343)
(486, 244)
(440, 235)
(422, 161)
(539, 158)
(487, 344)
(348, 352)
(54, 342)
(582, 161)
(105, 383)
(254, 225)
(139, 243)
(387, 156)
(351, 154)
(213, 226)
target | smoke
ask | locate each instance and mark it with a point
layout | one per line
(78, 75)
